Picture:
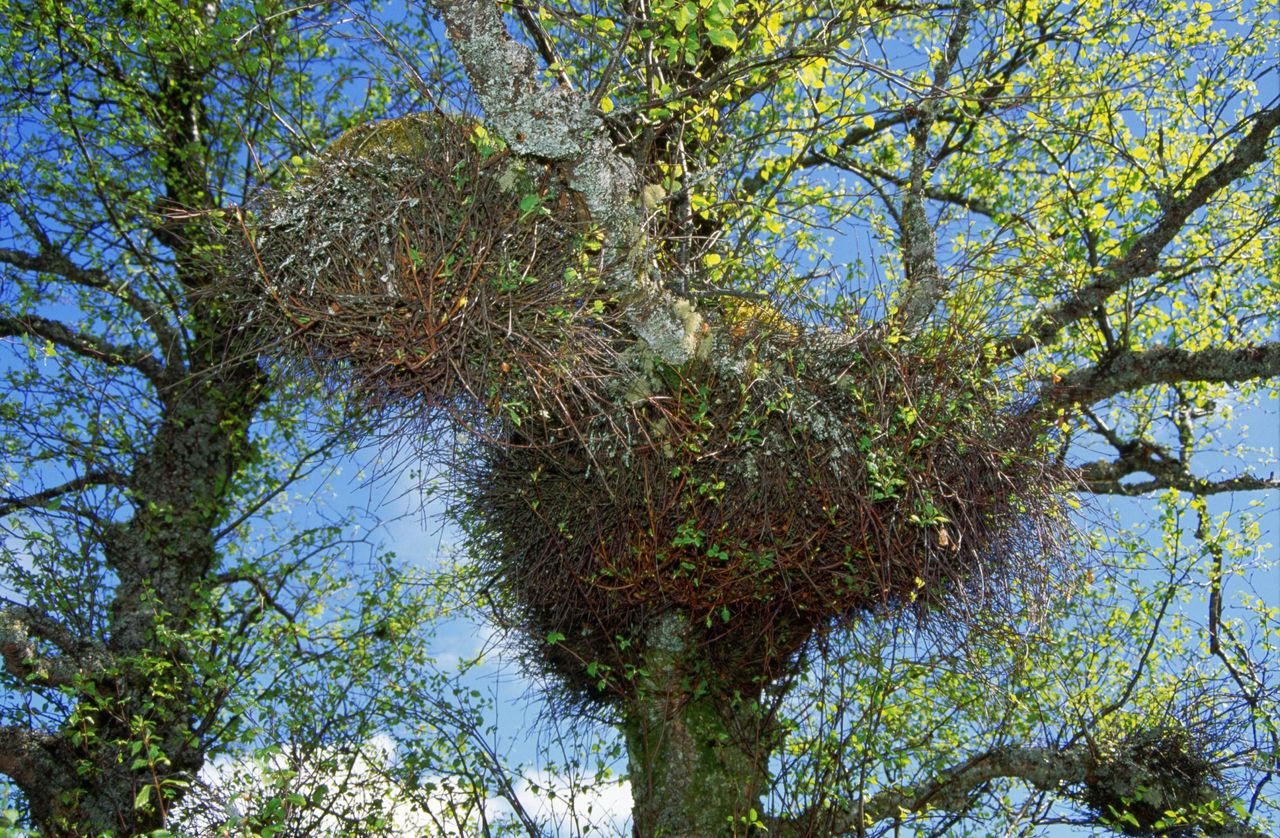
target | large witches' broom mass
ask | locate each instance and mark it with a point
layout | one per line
(782, 479)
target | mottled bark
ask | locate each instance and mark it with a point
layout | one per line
(924, 284)
(561, 126)
(697, 758)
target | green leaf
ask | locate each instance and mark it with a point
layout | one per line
(724, 38)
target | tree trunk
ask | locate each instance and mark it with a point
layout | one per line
(698, 759)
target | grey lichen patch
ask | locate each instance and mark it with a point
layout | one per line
(673, 331)
(550, 124)
(505, 77)
(514, 176)
(638, 388)
(668, 634)
(606, 182)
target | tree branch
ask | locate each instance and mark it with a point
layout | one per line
(560, 126)
(934, 193)
(1103, 478)
(104, 477)
(1143, 256)
(22, 755)
(992, 96)
(21, 626)
(88, 346)
(1069, 772)
(50, 261)
(1134, 369)
(546, 49)
(549, 124)
(923, 280)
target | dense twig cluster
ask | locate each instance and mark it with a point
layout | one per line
(420, 264)
(1155, 779)
(785, 479)
(812, 477)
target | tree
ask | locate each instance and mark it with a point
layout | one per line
(723, 499)
(150, 582)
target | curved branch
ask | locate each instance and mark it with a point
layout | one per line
(22, 755)
(88, 346)
(1064, 772)
(1143, 256)
(1103, 478)
(1134, 369)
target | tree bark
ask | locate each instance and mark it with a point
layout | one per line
(698, 758)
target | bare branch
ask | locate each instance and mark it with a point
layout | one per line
(1143, 256)
(21, 626)
(932, 192)
(50, 261)
(103, 477)
(1064, 772)
(1103, 478)
(546, 49)
(263, 590)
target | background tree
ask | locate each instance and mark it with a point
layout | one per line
(159, 605)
